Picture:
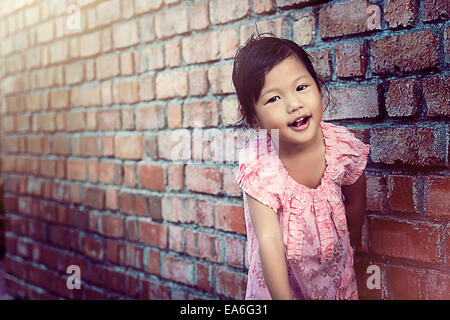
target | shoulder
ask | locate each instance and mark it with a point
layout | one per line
(345, 142)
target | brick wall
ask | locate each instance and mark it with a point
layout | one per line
(94, 92)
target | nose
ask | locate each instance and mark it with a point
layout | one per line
(294, 102)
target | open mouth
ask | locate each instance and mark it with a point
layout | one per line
(300, 122)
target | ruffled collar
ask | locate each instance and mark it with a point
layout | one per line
(269, 156)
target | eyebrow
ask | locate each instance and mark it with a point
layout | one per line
(273, 89)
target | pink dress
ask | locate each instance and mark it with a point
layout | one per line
(313, 223)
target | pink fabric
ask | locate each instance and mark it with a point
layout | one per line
(313, 223)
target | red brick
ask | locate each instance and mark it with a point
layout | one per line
(93, 248)
(231, 284)
(275, 26)
(171, 84)
(112, 199)
(437, 202)
(353, 102)
(128, 147)
(173, 53)
(133, 204)
(220, 79)
(413, 145)
(200, 48)
(201, 114)
(402, 193)
(175, 146)
(376, 192)
(234, 252)
(178, 269)
(203, 276)
(435, 9)
(150, 118)
(171, 22)
(126, 91)
(152, 176)
(198, 82)
(204, 246)
(90, 146)
(174, 115)
(116, 279)
(154, 234)
(85, 96)
(152, 264)
(150, 58)
(131, 255)
(351, 59)
(90, 44)
(404, 53)
(76, 170)
(107, 66)
(129, 173)
(224, 11)
(147, 89)
(321, 60)
(399, 13)
(178, 210)
(176, 238)
(417, 241)
(125, 34)
(112, 226)
(59, 99)
(93, 197)
(230, 218)
(110, 172)
(109, 120)
(435, 91)
(304, 28)
(402, 98)
(406, 284)
(199, 16)
(176, 177)
(203, 179)
(350, 17)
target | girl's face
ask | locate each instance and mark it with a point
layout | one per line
(290, 92)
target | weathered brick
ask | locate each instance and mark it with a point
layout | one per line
(149, 58)
(412, 145)
(230, 218)
(201, 179)
(175, 146)
(402, 193)
(353, 102)
(128, 147)
(275, 26)
(435, 9)
(351, 59)
(171, 22)
(404, 53)
(351, 17)
(417, 241)
(150, 118)
(223, 11)
(90, 44)
(263, 6)
(152, 176)
(125, 34)
(204, 47)
(231, 283)
(107, 66)
(402, 98)
(204, 246)
(178, 210)
(199, 15)
(201, 114)
(171, 84)
(304, 28)
(435, 91)
(321, 60)
(399, 13)
(220, 79)
(178, 269)
(437, 201)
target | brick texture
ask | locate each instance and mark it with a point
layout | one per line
(119, 146)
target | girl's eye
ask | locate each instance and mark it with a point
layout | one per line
(273, 99)
(301, 87)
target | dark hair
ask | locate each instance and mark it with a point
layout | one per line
(253, 61)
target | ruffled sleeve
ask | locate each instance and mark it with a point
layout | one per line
(352, 155)
(260, 179)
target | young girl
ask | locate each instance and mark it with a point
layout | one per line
(303, 182)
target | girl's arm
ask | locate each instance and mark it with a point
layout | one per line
(355, 208)
(271, 249)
